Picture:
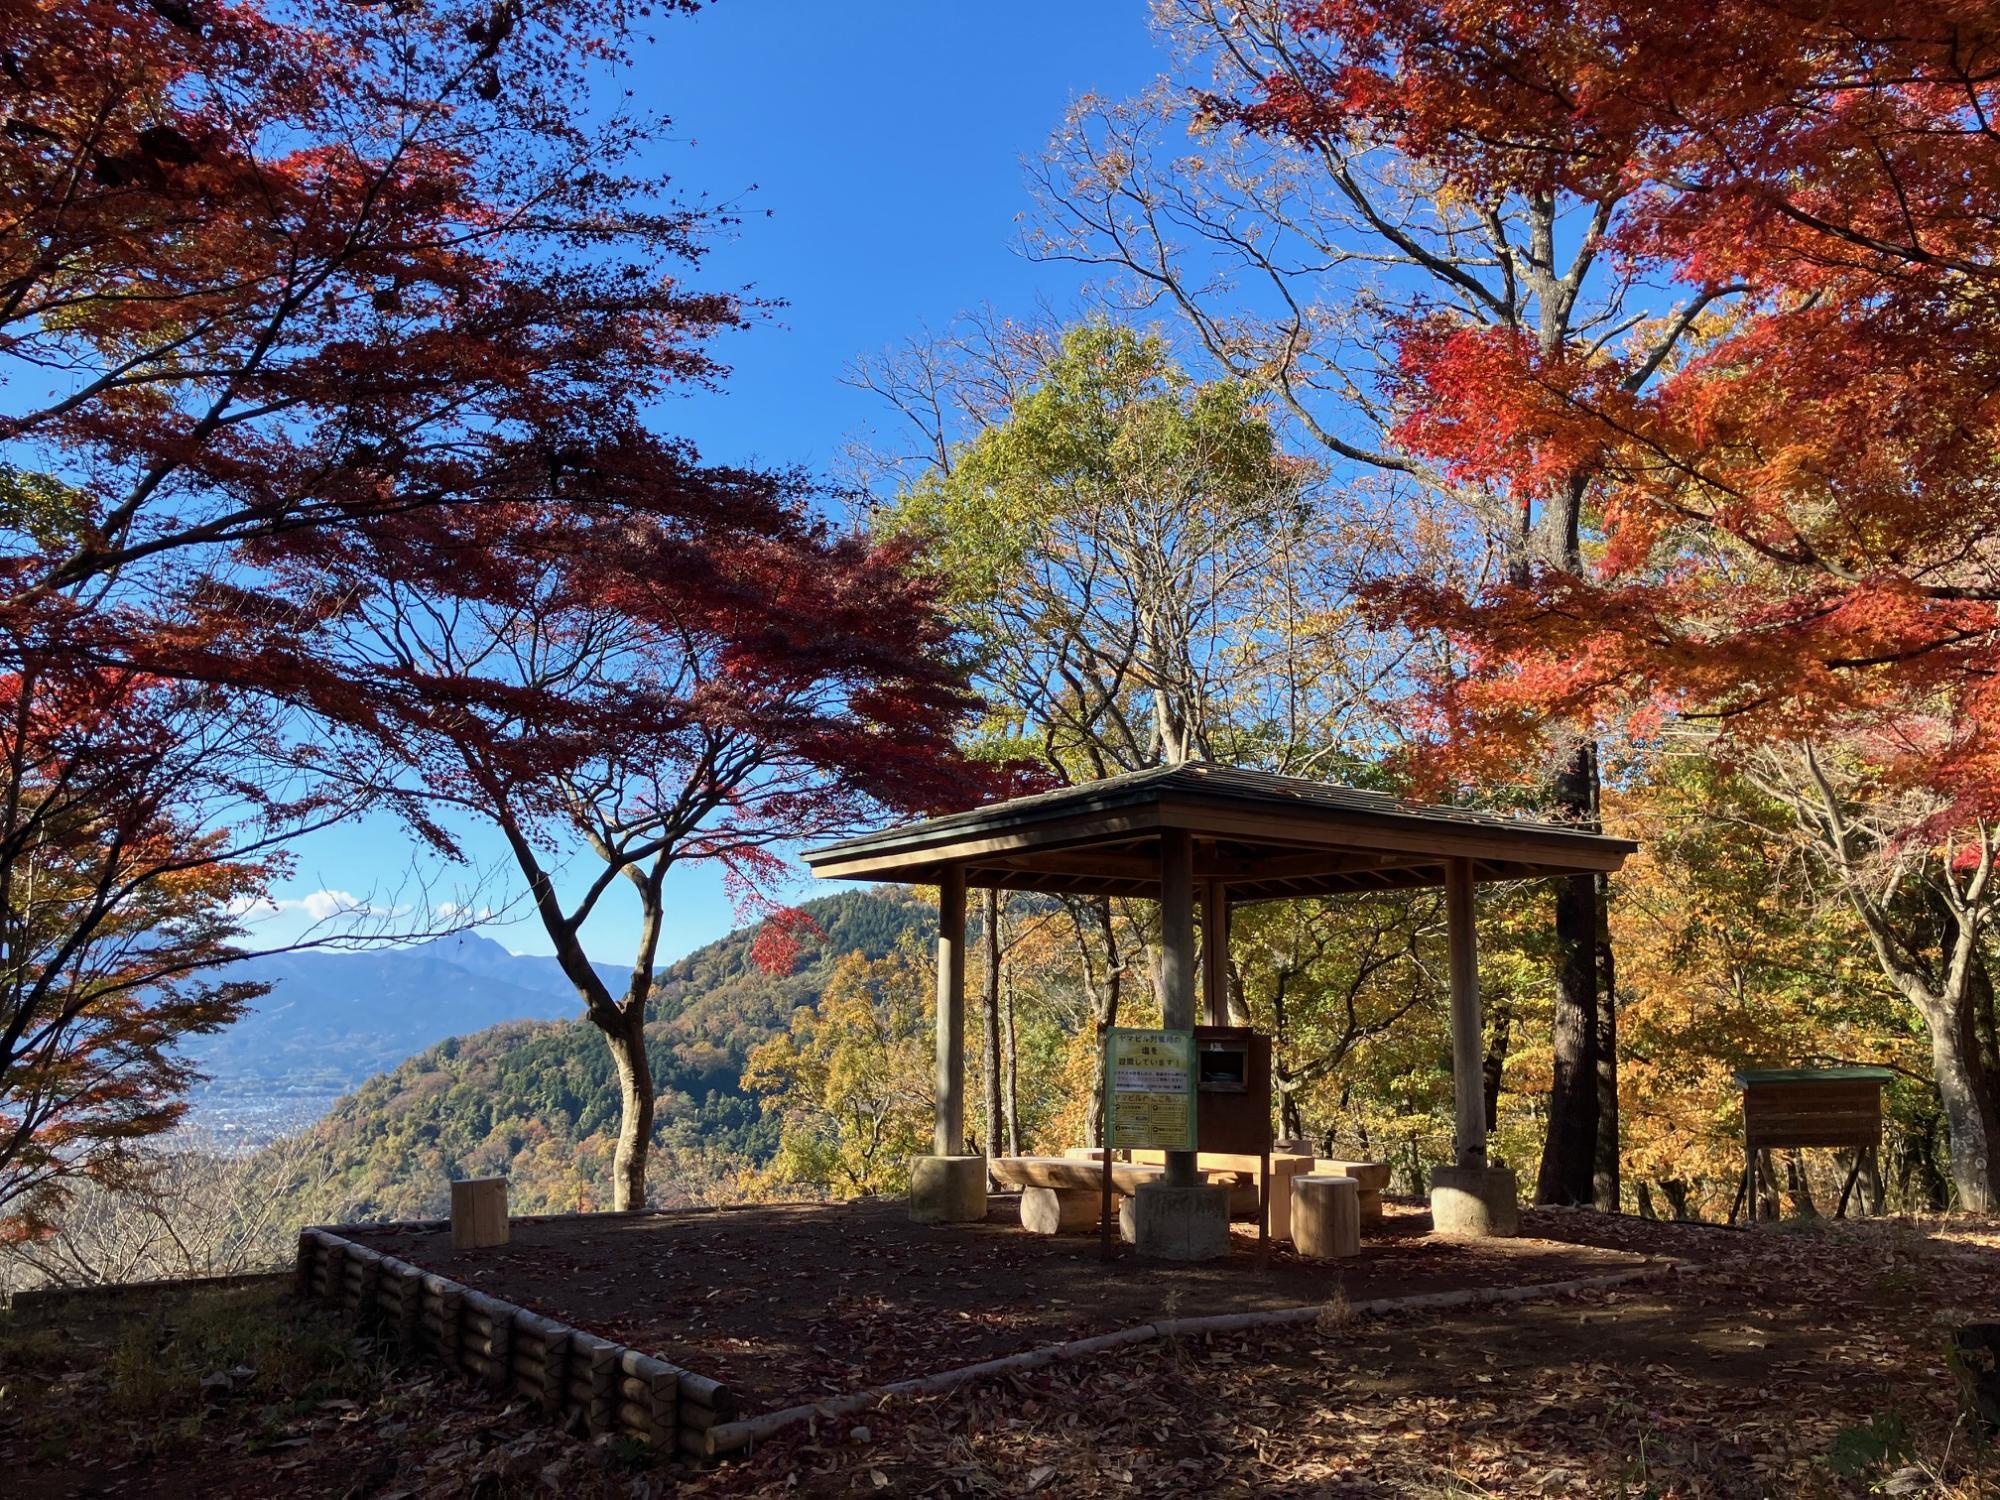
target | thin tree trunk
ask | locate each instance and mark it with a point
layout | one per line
(1771, 1207)
(635, 1113)
(1291, 1124)
(1871, 1181)
(1799, 1186)
(1495, 1066)
(1104, 1011)
(991, 1040)
(1013, 1105)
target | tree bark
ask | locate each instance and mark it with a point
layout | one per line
(1013, 1102)
(635, 1114)
(1799, 1186)
(1770, 1208)
(1104, 1005)
(1500, 1034)
(1967, 1115)
(991, 1039)
(1605, 1182)
(1569, 1155)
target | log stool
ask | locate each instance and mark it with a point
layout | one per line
(478, 1213)
(1326, 1216)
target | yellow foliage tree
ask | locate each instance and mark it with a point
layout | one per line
(851, 1081)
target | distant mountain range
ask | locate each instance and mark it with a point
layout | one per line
(331, 1020)
(536, 1100)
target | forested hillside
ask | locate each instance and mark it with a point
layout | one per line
(536, 1101)
(330, 1020)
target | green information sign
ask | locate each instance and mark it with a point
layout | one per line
(1152, 1089)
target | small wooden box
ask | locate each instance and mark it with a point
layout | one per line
(478, 1213)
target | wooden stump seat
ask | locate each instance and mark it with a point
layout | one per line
(1326, 1216)
(478, 1213)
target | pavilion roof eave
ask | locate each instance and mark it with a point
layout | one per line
(1268, 838)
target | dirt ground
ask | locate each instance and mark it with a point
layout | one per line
(789, 1302)
(1798, 1360)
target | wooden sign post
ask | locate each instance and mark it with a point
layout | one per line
(1149, 1092)
(1838, 1107)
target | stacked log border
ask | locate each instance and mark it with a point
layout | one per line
(574, 1377)
(603, 1387)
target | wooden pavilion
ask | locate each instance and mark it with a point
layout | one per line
(1212, 837)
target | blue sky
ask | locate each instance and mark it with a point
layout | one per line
(885, 141)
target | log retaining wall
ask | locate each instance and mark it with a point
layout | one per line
(573, 1376)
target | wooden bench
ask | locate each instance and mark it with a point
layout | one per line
(1239, 1171)
(1371, 1179)
(1061, 1194)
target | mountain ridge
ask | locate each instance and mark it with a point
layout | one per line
(333, 1019)
(536, 1100)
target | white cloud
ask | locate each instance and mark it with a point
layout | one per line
(317, 906)
(320, 905)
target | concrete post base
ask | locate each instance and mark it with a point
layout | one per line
(1478, 1201)
(1180, 1223)
(947, 1189)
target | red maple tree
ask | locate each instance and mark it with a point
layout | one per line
(296, 301)
(705, 674)
(1792, 528)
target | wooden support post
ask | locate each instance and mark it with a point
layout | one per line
(950, 1140)
(1264, 1203)
(1215, 951)
(1468, 1038)
(1177, 1002)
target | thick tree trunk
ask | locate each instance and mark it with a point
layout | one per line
(1954, 1065)
(991, 1039)
(1569, 1154)
(635, 1113)
(1605, 1176)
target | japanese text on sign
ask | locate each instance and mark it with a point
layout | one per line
(1152, 1089)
